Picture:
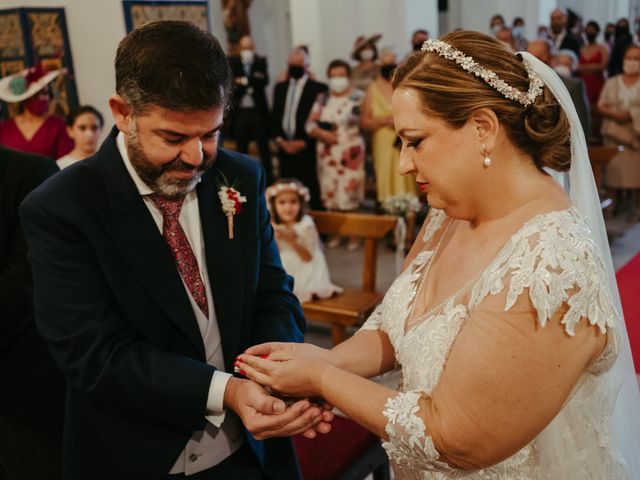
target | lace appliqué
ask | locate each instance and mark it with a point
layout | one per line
(408, 445)
(553, 256)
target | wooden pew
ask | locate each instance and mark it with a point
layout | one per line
(352, 306)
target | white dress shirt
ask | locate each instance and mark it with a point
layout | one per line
(291, 104)
(223, 434)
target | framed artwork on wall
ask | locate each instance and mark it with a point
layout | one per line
(139, 12)
(32, 35)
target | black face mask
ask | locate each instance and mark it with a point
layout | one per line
(608, 35)
(387, 70)
(591, 37)
(417, 46)
(296, 71)
(622, 30)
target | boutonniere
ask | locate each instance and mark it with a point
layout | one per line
(231, 201)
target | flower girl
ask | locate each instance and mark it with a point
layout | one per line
(298, 240)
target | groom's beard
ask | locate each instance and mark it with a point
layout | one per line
(158, 177)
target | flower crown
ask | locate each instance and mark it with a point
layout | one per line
(274, 190)
(467, 63)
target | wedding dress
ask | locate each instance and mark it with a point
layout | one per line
(547, 258)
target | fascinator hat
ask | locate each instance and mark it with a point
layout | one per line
(23, 85)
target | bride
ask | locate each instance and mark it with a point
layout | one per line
(506, 321)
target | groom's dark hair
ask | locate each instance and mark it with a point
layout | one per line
(173, 65)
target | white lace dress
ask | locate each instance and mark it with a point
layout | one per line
(550, 255)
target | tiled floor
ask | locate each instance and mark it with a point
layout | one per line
(346, 267)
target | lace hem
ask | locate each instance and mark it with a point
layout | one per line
(408, 445)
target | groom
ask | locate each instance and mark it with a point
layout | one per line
(145, 290)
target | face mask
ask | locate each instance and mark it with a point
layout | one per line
(562, 70)
(37, 106)
(517, 32)
(296, 71)
(338, 84)
(417, 46)
(247, 55)
(591, 37)
(631, 67)
(622, 30)
(367, 54)
(496, 28)
(387, 70)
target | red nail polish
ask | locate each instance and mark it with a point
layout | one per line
(263, 356)
(242, 372)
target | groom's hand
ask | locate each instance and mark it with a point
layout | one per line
(266, 416)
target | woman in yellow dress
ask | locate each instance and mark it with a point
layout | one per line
(376, 117)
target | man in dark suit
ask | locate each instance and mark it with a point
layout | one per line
(562, 38)
(152, 274)
(250, 110)
(292, 102)
(32, 398)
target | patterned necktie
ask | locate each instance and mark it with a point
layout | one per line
(180, 249)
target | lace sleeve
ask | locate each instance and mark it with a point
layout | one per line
(408, 444)
(374, 322)
(557, 262)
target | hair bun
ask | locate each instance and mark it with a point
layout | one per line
(546, 124)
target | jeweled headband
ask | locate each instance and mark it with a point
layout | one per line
(467, 63)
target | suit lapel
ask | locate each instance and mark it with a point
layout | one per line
(224, 258)
(138, 239)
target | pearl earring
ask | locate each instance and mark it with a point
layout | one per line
(487, 160)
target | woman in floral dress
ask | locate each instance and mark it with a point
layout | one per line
(341, 150)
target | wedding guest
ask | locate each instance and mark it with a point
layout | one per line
(376, 117)
(153, 269)
(594, 58)
(365, 53)
(84, 126)
(621, 41)
(619, 104)
(418, 37)
(250, 113)
(561, 37)
(34, 129)
(333, 121)
(506, 321)
(30, 434)
(292, 102)
(299, 241)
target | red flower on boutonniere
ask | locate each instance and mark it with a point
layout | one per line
(231, 201)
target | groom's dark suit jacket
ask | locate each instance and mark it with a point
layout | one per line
(110, 303)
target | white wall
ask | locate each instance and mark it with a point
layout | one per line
(330, 27)
(95, 28)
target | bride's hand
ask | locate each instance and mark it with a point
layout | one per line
(307, 350)
(286, 372)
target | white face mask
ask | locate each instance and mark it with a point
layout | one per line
(338, 84)
(631, 67)
(247, 55)
(366, 54)
(562, 70)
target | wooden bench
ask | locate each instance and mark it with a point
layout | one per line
(353, 306)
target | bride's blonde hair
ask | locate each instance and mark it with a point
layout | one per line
(452, 94)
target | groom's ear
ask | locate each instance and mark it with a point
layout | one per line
(485, 126)
(122, 113)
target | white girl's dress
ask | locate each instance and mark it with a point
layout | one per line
(311, 278)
